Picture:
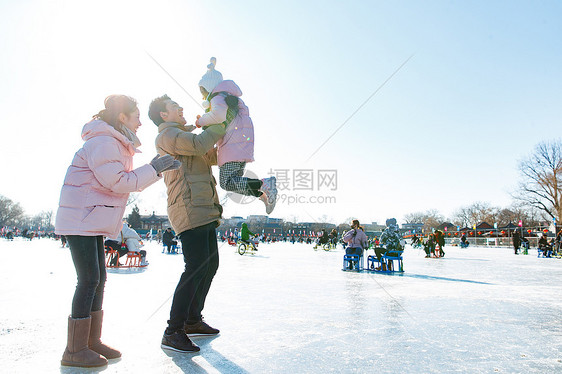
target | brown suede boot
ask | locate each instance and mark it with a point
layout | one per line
(77, 352)
(94, 342)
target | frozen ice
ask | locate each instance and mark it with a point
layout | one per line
(290, 309)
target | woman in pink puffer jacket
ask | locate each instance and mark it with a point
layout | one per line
(356, 240)
(92, 202)
(236, 148)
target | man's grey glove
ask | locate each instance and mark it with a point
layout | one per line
(164, 163)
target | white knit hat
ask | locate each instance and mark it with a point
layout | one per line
(212, 77)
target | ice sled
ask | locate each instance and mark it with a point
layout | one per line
(387, 262)
(352, 263)
(133, 259)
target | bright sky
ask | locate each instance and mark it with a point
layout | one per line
(482, 87)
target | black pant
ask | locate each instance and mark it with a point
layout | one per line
(429, 248)
(88, 256)
(516, 247)
(379, 252)
(201, 257)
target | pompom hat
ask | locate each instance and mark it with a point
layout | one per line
(212, 77)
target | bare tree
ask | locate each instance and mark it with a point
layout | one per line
(476, 213)
(324, 219)
(417, 217)
(132, 199)
(529, 216)
(256, 223)
(507, 215)
(541, 179)
(345, 225)
(430, 219)
(288, 224)
(462, 217)
(11, 213)
(481, 211)
(48, 218)
(43, 220)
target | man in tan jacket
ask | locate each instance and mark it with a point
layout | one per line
(194, 212)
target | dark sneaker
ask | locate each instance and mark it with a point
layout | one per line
(200, 329)
(179, 342)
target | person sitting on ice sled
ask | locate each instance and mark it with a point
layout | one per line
(245, 234)
(464, 242)
(545, 246)
(390, 240)
(323, 239)
(356, 241)
(127, 241)
(223, 105)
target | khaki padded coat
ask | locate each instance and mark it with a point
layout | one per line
(192, 194)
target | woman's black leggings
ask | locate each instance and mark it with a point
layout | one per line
(88, 256)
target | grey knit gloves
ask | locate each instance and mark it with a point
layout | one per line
(164, 163)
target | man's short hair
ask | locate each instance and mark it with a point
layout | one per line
(156, 106)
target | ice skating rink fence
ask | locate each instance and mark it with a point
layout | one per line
(492, 242)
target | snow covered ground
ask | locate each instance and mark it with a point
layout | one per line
(289, 309)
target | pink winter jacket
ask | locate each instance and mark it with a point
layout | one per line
(98, 182)
(355, 238)
(238, 142)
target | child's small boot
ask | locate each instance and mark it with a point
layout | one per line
(94, 342)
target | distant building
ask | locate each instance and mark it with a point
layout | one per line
(228, 225)
(447, 226)
(154, 222)
(373, 226)
(273, 227)
(412, 228)
(373, 229)
(300, 229)
(484, 226)
(256, 218)
(257, 223)
(232, 221)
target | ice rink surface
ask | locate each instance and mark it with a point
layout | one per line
(290, 309)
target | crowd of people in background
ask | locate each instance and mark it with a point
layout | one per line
(10, 233)
(436, 240)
